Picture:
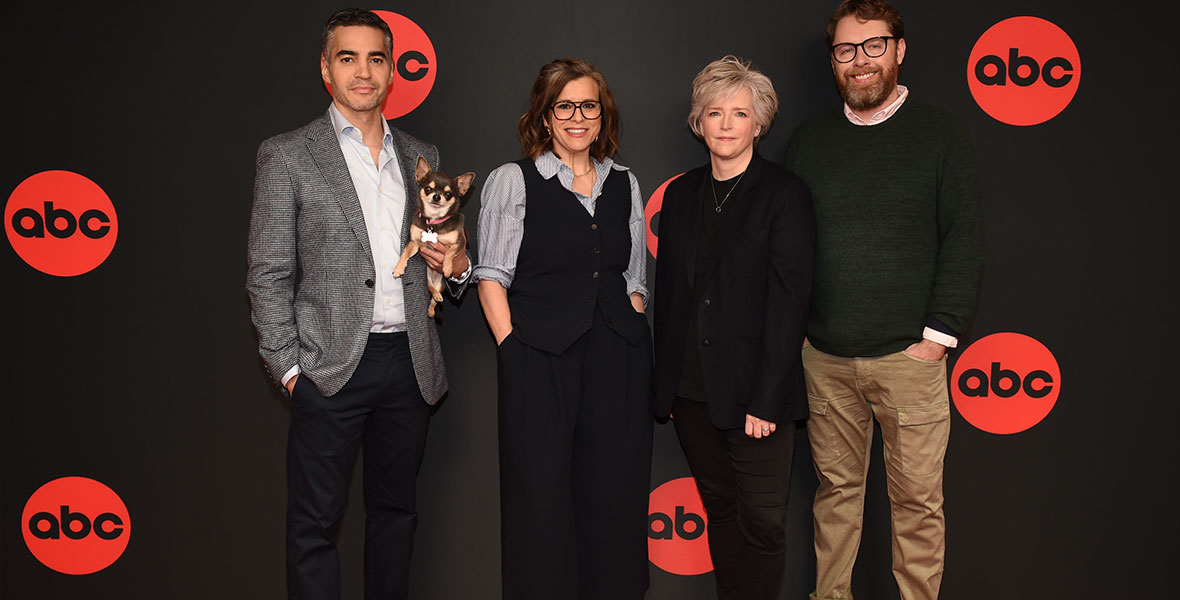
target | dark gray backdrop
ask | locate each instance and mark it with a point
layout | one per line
(143, 374)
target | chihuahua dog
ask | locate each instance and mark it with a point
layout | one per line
(437, 220)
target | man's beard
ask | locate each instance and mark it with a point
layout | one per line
(872, 96)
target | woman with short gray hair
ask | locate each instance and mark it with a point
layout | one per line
(732, 291)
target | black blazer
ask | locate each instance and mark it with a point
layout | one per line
(752, 308)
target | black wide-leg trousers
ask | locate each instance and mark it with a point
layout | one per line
(381, 410)
(744, 485)
(575, 468)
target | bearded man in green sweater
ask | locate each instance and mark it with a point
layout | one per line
(898, 266)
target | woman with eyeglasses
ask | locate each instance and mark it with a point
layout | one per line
(562, 283)
(732, 292)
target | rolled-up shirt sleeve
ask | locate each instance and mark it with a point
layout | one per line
(636, 273)
(501, 225)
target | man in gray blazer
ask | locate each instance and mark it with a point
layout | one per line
(350, 343)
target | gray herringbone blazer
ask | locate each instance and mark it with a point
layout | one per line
(310, 270)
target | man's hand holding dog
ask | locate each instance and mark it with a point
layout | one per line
(434, 252)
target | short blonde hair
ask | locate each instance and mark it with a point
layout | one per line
(723, 78)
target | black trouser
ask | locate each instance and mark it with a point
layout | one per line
(575, 468)
(381, 410)
(744, 484)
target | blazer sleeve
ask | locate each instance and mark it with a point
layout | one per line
(271, 261)
(779, 374)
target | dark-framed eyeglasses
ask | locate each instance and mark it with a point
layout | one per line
(872, 47)
(564, 110)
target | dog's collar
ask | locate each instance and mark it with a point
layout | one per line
(438, 221)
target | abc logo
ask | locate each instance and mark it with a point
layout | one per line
(61, 223)
(1024, 71)
(76, 525)
(651, 212)
(1005, 383)
(414, 66)
(677, 541)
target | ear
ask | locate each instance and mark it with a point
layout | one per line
(900, 50)
(324, 70)
(422, 169)
(464, 182)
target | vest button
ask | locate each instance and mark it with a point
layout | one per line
(705, 343)
(597, 251)
(596, 274)
(707, 302)
(369, 283)
(593, 226)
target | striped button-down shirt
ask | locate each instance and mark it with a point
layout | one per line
(501, 219)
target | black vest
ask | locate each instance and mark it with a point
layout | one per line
(571, 263)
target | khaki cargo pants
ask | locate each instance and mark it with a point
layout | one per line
(908, 398)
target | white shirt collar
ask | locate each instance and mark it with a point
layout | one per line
(344, 128)
(548, 164)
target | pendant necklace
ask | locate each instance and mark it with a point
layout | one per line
(714, 187)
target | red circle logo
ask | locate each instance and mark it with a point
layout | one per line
(76, 525)
(61, 223)
(653, 207)
(414, 66)
(677, 540)
(1024, 71)
(1006, 383)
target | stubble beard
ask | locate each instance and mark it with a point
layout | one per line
(362, 105)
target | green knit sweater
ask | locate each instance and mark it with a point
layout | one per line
(900, 231)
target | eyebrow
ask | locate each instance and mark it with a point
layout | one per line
(380, 53)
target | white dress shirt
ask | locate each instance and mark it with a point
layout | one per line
(382, 194)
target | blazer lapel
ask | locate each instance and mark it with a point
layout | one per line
(692, 216)
(409, 167)
(325, 150)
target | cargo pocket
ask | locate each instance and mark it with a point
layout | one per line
(922, 435)
(822, 433)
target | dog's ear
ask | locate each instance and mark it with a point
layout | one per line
(464, 182)
(422, 169)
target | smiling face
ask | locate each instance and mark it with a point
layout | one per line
(867, 84)
(357, 68)
(574, 135)
(728, 127)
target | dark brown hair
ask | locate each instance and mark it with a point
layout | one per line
(534, 139)
(867, 10)
(349, 17)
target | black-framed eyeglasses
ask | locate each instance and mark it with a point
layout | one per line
(872, 47)
(564, 110)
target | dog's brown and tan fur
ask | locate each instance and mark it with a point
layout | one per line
(438, 215)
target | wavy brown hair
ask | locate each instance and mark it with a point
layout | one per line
(535, 140)
(867, 10)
